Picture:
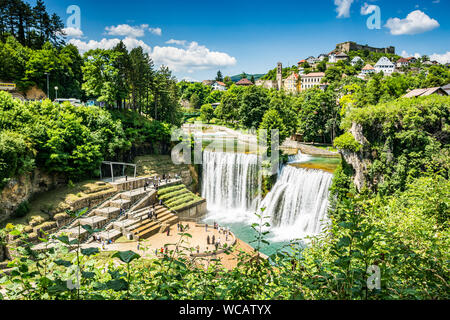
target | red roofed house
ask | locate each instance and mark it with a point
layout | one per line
(244, 82)
(218, 85)
(402, 62)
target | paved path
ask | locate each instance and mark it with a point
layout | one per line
(160, 240)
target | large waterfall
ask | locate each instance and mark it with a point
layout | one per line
(230, 180)
(298, 202)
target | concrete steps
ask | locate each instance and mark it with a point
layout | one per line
(120, 203)
(148, 228)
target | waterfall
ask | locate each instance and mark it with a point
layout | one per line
(299, 157)
(298, 202)
(230, 180)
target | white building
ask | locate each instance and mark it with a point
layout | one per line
(218, 85)
(355, 60)
(385, 65)
(368, 69)
(335, 57)
(322, 56)
(311, 80)
(312, 60)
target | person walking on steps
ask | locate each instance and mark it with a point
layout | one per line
(207, 239)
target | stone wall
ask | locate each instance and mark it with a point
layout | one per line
(194, 211)
(22, 188)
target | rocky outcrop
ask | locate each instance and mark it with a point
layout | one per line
(360, 160)
(22, 188)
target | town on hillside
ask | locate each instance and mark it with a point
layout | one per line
(361, 61)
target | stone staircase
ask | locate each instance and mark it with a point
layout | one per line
(141, 227)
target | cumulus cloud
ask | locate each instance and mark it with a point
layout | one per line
(155, 31)
(193, 56)
(405, 54)
(343, 8)
(127, 30)
(441, 58)
(73, 32)
(189, 58)
(177, 42)
(416, 22)
(130, 43)
(367, 9)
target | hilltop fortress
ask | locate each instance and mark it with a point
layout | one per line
(353, 46)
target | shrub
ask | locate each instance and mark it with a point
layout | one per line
(22, 210)
(347, 142)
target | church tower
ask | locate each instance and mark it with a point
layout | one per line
(280, 76)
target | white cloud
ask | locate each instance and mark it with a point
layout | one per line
(194, 56)
(155, 31)
(178, 42)
(416, 22)
(367, 9)
(73, 32)
(127, 30)
(343, 8)
(405, 54)
(130, 44)
(441, 58)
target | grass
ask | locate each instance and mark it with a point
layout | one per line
(58, 200)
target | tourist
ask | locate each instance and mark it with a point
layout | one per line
(218, 242)
(168, 231)
(207, 239)
(213, 239)
(126, 178)
(216, 245)
(198, 249)
(206, 227)
(178, 227)
(138, 246)
(160, 202)
(155, 216)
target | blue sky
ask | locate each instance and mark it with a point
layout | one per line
(252, 36)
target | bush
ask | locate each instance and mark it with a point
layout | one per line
(22, 210)
(347, 142)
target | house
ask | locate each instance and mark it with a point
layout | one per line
(385, 65)
(428, 63)
(402, 62)
(322, 56)
(311, 80)
(244, 82)
(446, 88)
(426, 92)
(367, 70)
(301, 62)
(208, 82)
(291, 83)
(411, 59)
(356, 60)
(218, 85)
(335, 57)
(312, 60)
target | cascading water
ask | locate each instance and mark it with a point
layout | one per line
(230, 180)
(298, 202)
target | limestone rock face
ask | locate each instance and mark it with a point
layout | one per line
(360, 161)
(21, 189)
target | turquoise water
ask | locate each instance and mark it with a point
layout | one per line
(246, 233)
